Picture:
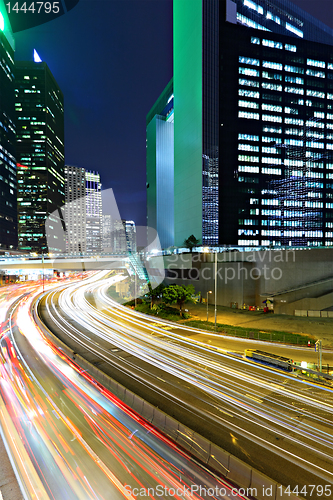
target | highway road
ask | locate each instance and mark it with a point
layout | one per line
(71, 439)
(276, 422)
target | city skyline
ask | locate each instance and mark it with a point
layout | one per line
(116, 78)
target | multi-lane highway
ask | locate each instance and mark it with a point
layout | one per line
(71, 439)
(276, 422)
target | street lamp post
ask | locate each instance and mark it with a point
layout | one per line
(215, 285)
(43, 269)
(207, 302)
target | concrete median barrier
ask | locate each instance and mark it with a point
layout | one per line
(239, 472)
(263, 485)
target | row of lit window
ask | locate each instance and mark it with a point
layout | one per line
(269, 15)
(277, 76)
(272, 43)
(274, 65)
(277, 66)
(278, 119)
(277, 171)
(292, 90)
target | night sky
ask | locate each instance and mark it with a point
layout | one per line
(111, 59)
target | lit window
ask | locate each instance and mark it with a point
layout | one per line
(270, 212)
(273, 161)
(293, 163)
(248, 168)
(274, 18)
(268, 150)
(294, 121)
(315, 175)
(247, 137)
(272, 130)
(249, 60)
(248, 104)
(272, 139)
(271, 118)
(294, 69)
(291, 48)
(251, 159)
(294, 79)
(291, 111)
(316, 93)
(317, 64)
(249, 93)
(249, 116)
(315, 145)
(271, 171)
(293, 142)
(250, 22)
(294, 90)
(248, 147)
(295, 30)
(271, 76)
(255, 40)
(272, 44)
(248, 83)
(272, 65)
(249, 72)
(271, 107)
(271, 86)
(330, 65)
(329, 116)
(253, 6)
(329, 96)
(316, 73)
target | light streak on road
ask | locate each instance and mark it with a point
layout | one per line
(76, 439)
(292, 418)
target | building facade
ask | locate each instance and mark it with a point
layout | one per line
(8, 182)
(93, 212)
(75, 209)
(40, 153)
(253, 124)
(160, 166)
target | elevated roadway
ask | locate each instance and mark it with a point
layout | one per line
(274, 421)
(72, 440)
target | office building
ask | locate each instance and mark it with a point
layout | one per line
(130, 233)
(8, 186)
(40, 153)
(93, 212)
(74, 211)
(253, 125)
(106, 233)
(160, 166)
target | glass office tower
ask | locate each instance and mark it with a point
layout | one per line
(8, 208)
(253, 124)
(94, 213)
(40, 153)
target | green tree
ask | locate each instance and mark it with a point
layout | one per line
(176, 294)
(153, 293)
(191, 242)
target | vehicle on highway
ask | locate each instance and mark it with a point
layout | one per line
(270, 359)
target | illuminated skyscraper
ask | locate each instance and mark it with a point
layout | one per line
(75, 209)
(40, 152)
(93, 212)
(253, 125)
(8, 208)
